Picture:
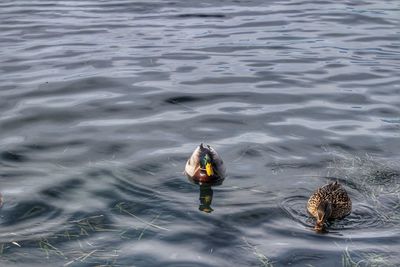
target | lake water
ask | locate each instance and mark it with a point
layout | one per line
(102, 102)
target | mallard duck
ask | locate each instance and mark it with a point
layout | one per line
(205, 166)
(327, 203)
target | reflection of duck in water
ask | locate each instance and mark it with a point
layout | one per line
(206, 195)
(205, 166)
(329, 202)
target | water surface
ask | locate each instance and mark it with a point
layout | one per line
(102, 102)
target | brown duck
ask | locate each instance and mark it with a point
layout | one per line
(328, 203)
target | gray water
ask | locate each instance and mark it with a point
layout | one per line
(102, 102)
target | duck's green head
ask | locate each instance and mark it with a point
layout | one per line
(206, 164)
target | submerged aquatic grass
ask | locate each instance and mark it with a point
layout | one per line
(122, 207)
(379, 182)
(369, 259)
(77, 235)
(264, 260)
(48, 248)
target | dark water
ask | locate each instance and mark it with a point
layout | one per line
(101, 103)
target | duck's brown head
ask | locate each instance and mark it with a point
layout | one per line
(324, 211)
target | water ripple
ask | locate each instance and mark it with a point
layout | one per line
(101, 103)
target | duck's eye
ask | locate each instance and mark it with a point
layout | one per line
(206, 159)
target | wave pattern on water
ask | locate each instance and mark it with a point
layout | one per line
(101, 103)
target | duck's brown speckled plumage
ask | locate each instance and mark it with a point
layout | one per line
(334, 194)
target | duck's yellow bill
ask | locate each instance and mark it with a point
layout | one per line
(209, 169)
